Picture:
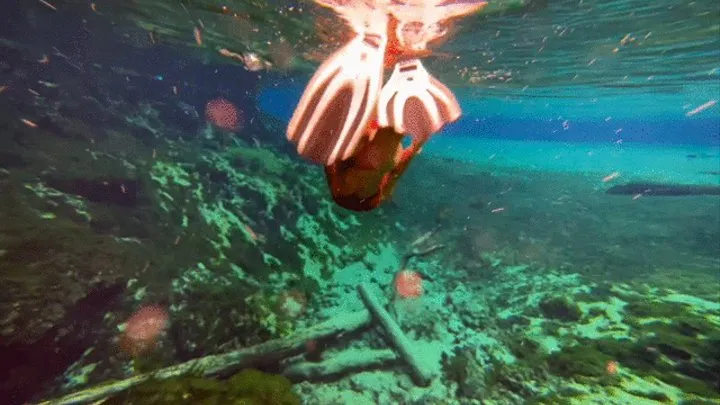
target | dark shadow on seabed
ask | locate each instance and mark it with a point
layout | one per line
(565, 220)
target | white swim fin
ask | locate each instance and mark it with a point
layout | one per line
(414, 102)
(338, 102)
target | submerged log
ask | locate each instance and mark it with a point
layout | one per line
(227, 363)
(340, 364)
(278, 349)
(395, 337)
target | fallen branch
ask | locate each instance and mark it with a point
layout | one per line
(227, 363)
(419, 253)
(395, 336)
(340, 364)
(423, 238)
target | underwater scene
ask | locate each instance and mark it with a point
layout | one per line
(329, 202)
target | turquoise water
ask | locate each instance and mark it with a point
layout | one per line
(663, 164)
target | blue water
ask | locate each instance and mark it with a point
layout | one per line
(607, 121)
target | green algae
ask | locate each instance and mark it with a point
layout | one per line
(658, 309)
(259, 160)
(681, 350)
(578, 360)
(248, 387)
(560, 308)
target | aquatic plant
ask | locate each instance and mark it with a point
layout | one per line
(248, 387)
(467, 372)
(560, 308)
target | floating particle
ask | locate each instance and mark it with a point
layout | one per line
(198, 36)
(610, 177)
(142, 330)
(28, 123)
(611, 367)
(701, 108)
(253, 62)
(48, 5)
(408, 284)
(281, 54)
(627, 38)
(223, 114)
(496, 210)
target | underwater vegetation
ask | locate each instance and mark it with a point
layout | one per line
(248, 387)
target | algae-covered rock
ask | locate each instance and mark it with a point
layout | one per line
(560, 308)
(467, 372)
(259, 388)
(248, 387)
(578, 361)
